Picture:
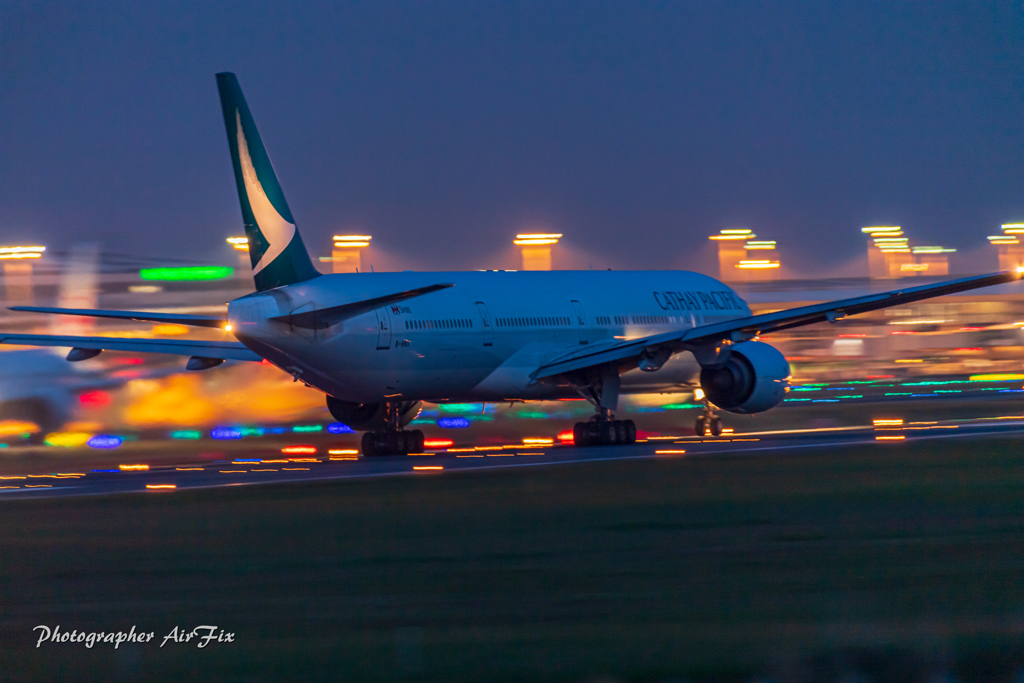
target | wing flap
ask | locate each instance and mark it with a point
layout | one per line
(179, 318)
(177, 347)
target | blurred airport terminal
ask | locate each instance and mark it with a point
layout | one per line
(957, 338)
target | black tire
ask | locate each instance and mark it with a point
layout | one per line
(369, 444)
(716, 426)
(630, 428)
(700, 427)
(618, 433)
(417, 441)
(604, 433)
(579, 435)
(394, 443)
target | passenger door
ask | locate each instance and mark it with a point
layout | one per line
(581, 318)
(485, 316)
(383, 329)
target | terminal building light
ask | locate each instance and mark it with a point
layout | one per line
(18, 271)
(536, 249)
(239, 243)
(1008, 246)
(347, 256)
(12, 253)
(733, 247)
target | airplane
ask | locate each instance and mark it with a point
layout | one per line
(379, 344)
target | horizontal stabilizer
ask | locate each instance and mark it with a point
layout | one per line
(177, 347)
(325, 317)
(179, 318)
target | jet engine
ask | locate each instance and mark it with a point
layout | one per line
(370, 417)
(752, 378)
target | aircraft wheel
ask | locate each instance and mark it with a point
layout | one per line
(580, 437)
(701, 426)
(618, 433)
(393, 443)
(405, 442)
(416, 444)
(369, 444)
(604, 433)
(629, 427)
(716, 426)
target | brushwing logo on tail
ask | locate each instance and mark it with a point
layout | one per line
(277, 231)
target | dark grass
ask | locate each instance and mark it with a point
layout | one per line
(896, 560)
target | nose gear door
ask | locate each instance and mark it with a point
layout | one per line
(383, 329)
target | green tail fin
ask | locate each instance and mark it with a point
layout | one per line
(275, 247)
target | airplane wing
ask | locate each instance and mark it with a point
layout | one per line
(179, 318)
(325, 317)
(222, 350)
(743, 329)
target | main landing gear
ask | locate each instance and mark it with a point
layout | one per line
(393, 440)
(601, 430)
(708, 422)
(392, 443)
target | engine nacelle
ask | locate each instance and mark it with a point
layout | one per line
(368, 417)
(752, 379)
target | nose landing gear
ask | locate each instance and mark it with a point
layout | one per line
(708, 422)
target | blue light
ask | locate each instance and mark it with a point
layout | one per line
(223, 433)
(104, 441)
(453, 422)
(339, 428)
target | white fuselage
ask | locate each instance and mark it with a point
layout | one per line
(481, 339)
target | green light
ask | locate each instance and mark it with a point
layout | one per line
(461, 407)
(187, 273)
(308, 428)
(186, 434)
(682, 406)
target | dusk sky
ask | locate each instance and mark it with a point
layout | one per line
(444, 128)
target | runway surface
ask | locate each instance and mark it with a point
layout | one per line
(137, 477)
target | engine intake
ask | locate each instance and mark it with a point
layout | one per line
(752, 379)
(370, 416)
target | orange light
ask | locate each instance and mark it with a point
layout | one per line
(886, 422)
(170, 329)
(533, 441)
(437, 443)
(298, 450)
(21, 252)
(133, 468)
(567, 436)
(428, 467)
(676, 452)
(890, 438)
(153, 487)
